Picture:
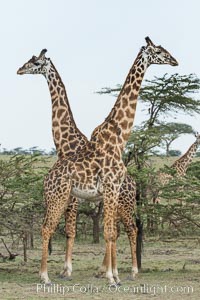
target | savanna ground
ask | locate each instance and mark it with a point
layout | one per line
(171, 270)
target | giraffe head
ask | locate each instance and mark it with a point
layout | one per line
(157, 54)
(36, 65)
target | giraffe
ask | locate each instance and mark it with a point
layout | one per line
(182, 163)
(68, 140)
(98, 170)
(180, 166)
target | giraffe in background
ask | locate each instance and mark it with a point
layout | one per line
(180, 166)
(98, 170)
(69, 140)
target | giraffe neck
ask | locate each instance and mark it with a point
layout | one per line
(181, 165)
(117, 126)
(67, 137)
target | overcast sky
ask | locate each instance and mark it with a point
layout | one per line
(93, 44)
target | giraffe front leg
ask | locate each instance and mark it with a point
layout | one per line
(110, 232)
(114, 264)
(109, 273)
(114, 256)
(55, 208)
(70, 231)
(102, 270)
(46, 234)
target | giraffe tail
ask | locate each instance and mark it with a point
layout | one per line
(139, 243)
(50, 246)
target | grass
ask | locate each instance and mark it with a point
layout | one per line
(171, 270)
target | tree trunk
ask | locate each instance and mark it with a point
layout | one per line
(96, 229)
(96, 219)
(31, 234)
(24, 240)
(167, 149)
(31, 240)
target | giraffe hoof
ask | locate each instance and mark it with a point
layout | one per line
(119, 283)
(46, 283)
(64, 277)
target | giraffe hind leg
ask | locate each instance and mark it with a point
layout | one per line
(126, 208)
(131, 231)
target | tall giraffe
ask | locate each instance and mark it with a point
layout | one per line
(68, 140)
(98, 170)
(180, 166)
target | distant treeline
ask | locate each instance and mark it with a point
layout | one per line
(30, 151)
(52, 152)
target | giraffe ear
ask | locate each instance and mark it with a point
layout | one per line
(149, 42)
(34, 57)
(42, 53)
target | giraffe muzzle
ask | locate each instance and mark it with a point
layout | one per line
(20, 71)
(173, 62)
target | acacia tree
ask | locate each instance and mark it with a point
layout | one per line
(21, 188)
(169, 95)
(171, 131)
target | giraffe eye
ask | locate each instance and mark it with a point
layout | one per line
(158, 52)
(36, 64)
